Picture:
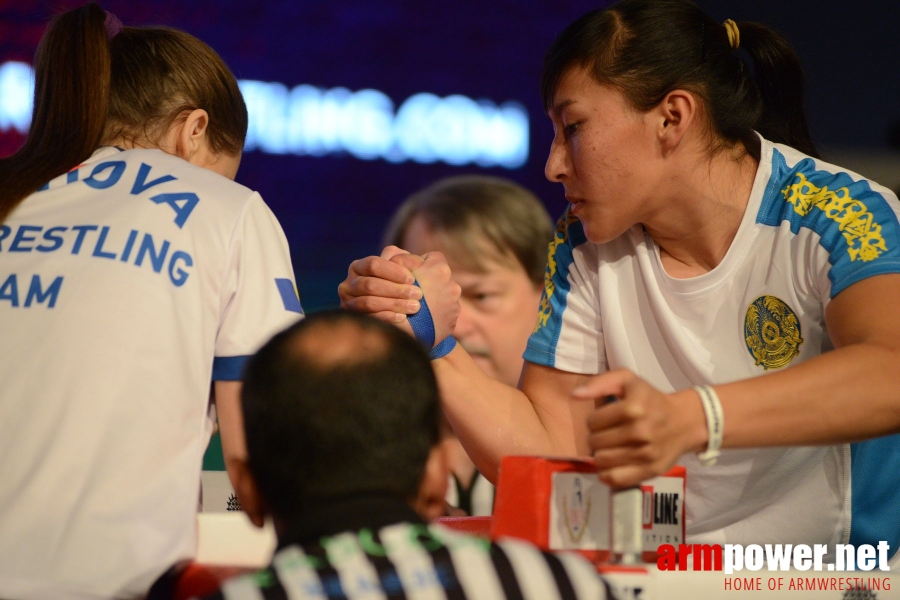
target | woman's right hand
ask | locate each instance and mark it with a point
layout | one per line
(382, 286)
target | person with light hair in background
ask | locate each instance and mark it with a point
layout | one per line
(494, 234)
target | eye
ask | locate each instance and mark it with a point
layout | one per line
(479, 297)
(571, 129)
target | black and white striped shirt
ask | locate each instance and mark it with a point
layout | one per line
(410, 559)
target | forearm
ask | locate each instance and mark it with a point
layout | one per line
(231, 425)
(846, 395)
(490, 418)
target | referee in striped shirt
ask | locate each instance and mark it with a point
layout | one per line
(343, 429)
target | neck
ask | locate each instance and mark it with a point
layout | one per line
(126, 143)
(372, 511)
(703, 208)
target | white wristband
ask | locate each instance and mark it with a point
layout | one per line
(715, 424)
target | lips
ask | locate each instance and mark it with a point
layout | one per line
(576, 203)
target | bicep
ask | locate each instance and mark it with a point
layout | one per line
(564, 418)
(867, 312)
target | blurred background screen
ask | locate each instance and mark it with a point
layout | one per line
(355, 104)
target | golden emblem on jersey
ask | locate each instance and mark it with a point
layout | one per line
(772, 332)
(862, 233)
(560, 237)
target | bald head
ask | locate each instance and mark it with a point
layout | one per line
(337, 344)
(336, 406)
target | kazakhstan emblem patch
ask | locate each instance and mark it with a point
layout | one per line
(772, 332)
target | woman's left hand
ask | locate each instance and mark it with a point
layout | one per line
(644, 431)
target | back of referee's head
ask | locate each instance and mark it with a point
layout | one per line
(340, 406)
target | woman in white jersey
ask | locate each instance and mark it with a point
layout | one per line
(733, 290)
(134, 272)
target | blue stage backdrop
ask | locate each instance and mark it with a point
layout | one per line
(356, 104)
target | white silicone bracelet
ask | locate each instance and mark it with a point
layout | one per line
(715, 424)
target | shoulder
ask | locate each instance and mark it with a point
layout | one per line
(853, 220)
(811, 192)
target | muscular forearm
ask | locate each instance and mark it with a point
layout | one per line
(493, 420)
(846, 395)
(490, 418)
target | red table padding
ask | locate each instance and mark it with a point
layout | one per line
(480, 526)
(197, 581)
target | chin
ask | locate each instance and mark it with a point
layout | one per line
(600, 235)
(602, 227)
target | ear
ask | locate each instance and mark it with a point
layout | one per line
(190, 136)
(430, 502)
(248, 494)
(675, 115)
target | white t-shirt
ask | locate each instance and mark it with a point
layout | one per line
(810, 230)
(126, 287)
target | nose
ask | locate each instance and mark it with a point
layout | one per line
(556, 168)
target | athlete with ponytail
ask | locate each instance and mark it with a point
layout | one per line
(135, 276)
(735, 292)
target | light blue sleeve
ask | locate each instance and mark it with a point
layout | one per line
(855, 219)
(543, 344)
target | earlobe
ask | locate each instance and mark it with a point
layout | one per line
(192, 134)
(677, 112)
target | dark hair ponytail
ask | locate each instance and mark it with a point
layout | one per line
(90, 90)
(779, 78)
(71, 99)
(647, 48)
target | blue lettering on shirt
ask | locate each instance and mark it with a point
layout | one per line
(98, 249)
(107, 174)
(128, 245)
(182, 211)
(177, 263)
(181, 276)
(82, 231)
(36, 294)
(157, 259)
(141, 184)
(117, 166)
(10, 290)
(50, 237)
(23, 237)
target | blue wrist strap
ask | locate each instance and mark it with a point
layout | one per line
(444, 348)
(423, 328)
